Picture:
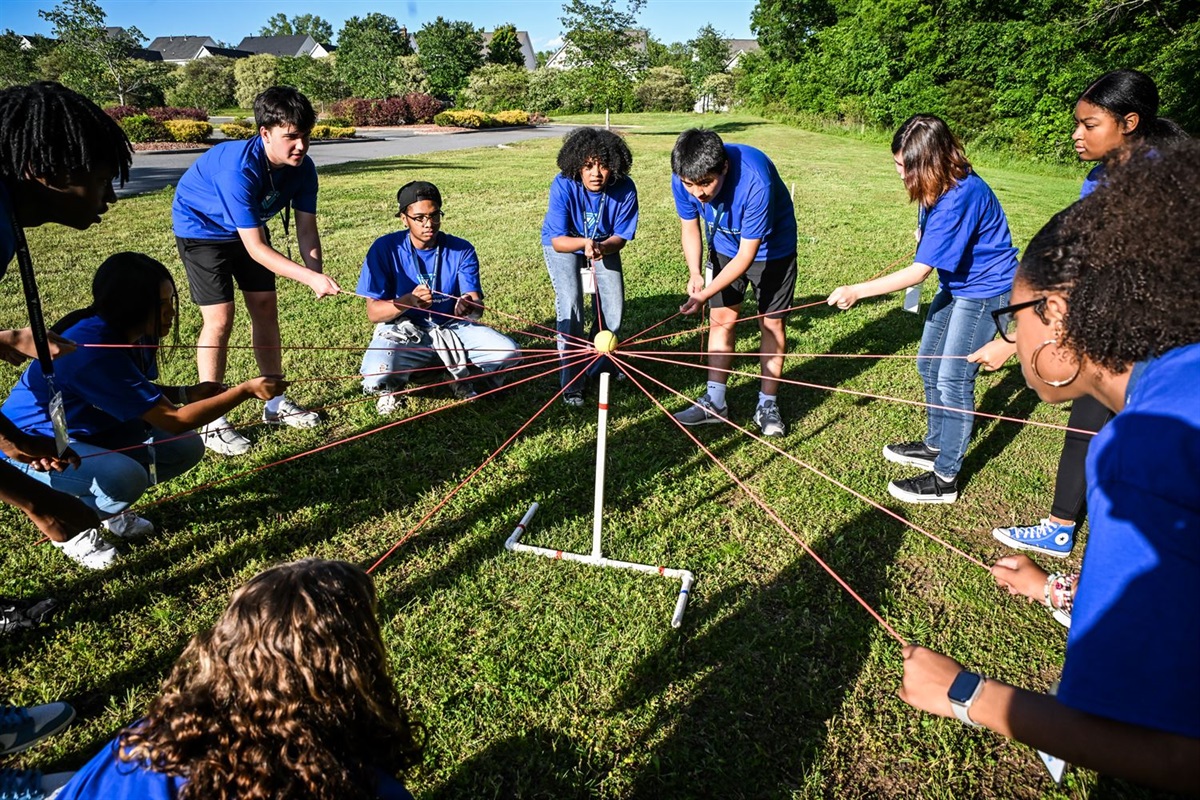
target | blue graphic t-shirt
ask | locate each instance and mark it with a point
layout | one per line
(965, 237)
(393, 268)
(232, 186)
(753, 204)
(102, 388)
(576, 212)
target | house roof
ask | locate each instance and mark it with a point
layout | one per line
(298, 45)
(561, 57)
(227, 52)
(527, 51)
(180, 48)
(742, 45)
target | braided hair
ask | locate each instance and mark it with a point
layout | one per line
(49, 131)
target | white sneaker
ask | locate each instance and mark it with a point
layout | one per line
(128, 525)
(220, 437)
(389, 404)
(291, 415)
(89, 549)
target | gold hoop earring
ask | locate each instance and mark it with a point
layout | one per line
(1037, 351)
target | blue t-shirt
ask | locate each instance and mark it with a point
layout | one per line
(107, 777)
(1133, 651)
(753, 204)
(1092, 180)
(393, 268)
(232, 186)
(576, 212)
(101, 387)
(965, 237)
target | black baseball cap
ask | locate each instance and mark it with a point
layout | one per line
(415, 192)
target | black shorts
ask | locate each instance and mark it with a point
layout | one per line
(773, 281)
(212, 267)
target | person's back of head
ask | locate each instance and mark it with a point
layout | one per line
(1127, 91)
(296, 666)
(698, 154)
(284, 106)
(933, 158)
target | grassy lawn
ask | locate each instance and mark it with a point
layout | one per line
(543, 679)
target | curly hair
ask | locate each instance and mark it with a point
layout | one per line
(288, 695)
(1128, 258)
(934, 161)
(584, 144)
(49, 131)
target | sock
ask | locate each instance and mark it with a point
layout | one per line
(944, 479)
(273, 404)
(763, 399)
(716, 393)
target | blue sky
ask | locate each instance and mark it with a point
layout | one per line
(230, 20)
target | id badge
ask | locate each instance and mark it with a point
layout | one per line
(708, 273)
(58, 417)
(588, 278)
(912, 299)
(152, 465)
(1054, 764)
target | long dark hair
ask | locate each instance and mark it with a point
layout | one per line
(1127, 91)
(934, 161)
(288, 695)
(125, 293)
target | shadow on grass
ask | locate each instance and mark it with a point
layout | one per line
(726, 127)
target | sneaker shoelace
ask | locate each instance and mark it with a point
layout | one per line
(1042, 530)
(20, 783)
(14, 716)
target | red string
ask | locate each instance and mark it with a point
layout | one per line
(705, 327)
(762, 504)
(904, 356)
(524, 321)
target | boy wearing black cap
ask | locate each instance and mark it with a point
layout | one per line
(220, 213)
(422, 285)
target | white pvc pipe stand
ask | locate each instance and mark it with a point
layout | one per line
(596, 558)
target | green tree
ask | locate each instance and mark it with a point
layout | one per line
(675, 54)
(496, 87)
(409, 77)
(785, 27)
(204, 83)
(367, 51)
(17, 66)
(505, 47)
(601, 35)
(316, 78)
(718, 91)
(450, 52)
(710, 54)
(302, 25)
(664, 89)
(94, 61)
(252, 76)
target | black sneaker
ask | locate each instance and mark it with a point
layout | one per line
(911, 454)
(18, 615)
(926, 488)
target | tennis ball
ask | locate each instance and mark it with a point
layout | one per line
(605, 342)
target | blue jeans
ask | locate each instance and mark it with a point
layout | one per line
(109, 482)
(608, 304)
(955, 326)
(386, 365)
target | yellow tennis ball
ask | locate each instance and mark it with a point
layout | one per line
(605, 342)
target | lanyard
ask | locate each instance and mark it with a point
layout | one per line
(431, 282)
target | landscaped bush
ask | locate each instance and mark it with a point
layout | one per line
(422, 108)
(232, 130)
(354, 109)
(188, 130)
(142, 128)
(465, 118)
(511, 117)
(341, 132)
(119, 113)
(413, 107)
(164, 113)
(337, 122)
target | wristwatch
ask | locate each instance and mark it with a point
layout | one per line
(964, 690)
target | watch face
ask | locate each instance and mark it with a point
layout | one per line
(964, 686)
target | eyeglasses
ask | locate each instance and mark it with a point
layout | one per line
(1003, 316)
(420, 219)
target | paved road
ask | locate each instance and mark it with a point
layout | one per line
(152, 170)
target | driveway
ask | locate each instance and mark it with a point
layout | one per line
(152, 170)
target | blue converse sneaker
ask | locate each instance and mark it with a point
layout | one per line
(1050, 538)
(21, 728)
(20, 784)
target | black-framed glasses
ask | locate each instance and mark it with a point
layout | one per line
(1004, 316)
(434, 218)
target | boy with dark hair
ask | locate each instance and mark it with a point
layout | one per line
(220, 212)
(750, 228)
(420, 284)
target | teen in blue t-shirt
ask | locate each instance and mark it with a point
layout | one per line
(315, 710)
(592, 214)
(963, 234)
(424, 296)
(749, 228)
(220, 212)
(1128, 704)
(124, 425)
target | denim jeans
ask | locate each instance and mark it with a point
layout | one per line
(110, 482)
(955, 326)
(387, 363)
(608, 304)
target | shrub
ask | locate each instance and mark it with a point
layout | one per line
(337, 122)
(232, 130)
(511, 118)
(188, 130)
(391, 111)
(319, 132)
(664, 89)
(496, 87)
(341, 132)
(142, 128)
(542, 94)
(164, 113)
(465, 118)
(422, 107)
(119, 113)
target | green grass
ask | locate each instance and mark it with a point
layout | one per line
(543, 679)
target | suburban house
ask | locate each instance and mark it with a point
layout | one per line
(300, 45)
(181, 49)
(737, 49)
(527, 51)
(564, 57)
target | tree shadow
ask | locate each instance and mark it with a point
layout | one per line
(533, 764)
(726, 126)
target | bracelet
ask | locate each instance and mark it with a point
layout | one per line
(1062, 593)
(1050, 581)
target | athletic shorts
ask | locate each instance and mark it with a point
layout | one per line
(212, 267)
(773, 281)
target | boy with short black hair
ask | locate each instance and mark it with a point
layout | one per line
(750, 228)
(220, 212)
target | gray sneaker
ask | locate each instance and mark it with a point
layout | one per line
(220, 437)
(768, 420)
(704, 412)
